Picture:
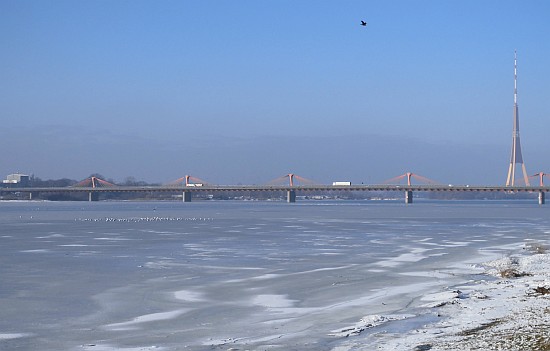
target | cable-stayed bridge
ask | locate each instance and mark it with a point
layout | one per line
(291, 184)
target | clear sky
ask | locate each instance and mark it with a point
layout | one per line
(245, 91)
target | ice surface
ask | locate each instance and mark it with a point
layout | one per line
(153, 317)
(308, 276)
(7, 336)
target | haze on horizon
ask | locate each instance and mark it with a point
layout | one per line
(246, 91)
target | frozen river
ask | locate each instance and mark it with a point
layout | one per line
(238, 275)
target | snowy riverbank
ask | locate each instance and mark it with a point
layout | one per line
(509, 310)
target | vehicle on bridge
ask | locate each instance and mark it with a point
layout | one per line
(341, 183)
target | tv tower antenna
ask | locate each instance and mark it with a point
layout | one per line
(516, 157)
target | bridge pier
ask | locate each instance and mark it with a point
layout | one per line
(92, 196)
(291, 196)
(542, 197)
(408, 196)
(187, 195)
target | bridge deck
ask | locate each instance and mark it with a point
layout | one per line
(297, 188)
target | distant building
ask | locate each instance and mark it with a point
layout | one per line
(16, 180)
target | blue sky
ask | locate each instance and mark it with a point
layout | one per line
(245, 91)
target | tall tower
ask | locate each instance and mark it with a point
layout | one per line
(516, 157)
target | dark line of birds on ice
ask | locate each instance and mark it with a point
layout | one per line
(144, 219)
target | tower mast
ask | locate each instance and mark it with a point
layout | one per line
(516, 156)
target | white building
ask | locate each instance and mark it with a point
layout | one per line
(17, 179)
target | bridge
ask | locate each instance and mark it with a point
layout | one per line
(94, 187)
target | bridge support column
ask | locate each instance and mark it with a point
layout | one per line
(408, 197)
(30, 195)
(187, 196)
(291, 196)
(92, 196)
(542, 196)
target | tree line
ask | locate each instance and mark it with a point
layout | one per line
(37, 182)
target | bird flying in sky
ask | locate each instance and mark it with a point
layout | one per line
(363, 23)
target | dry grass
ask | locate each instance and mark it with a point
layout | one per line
(489, 337)
(537, 338)
(510, 270)
(513, 273)
(476, 330)
(541, 290)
